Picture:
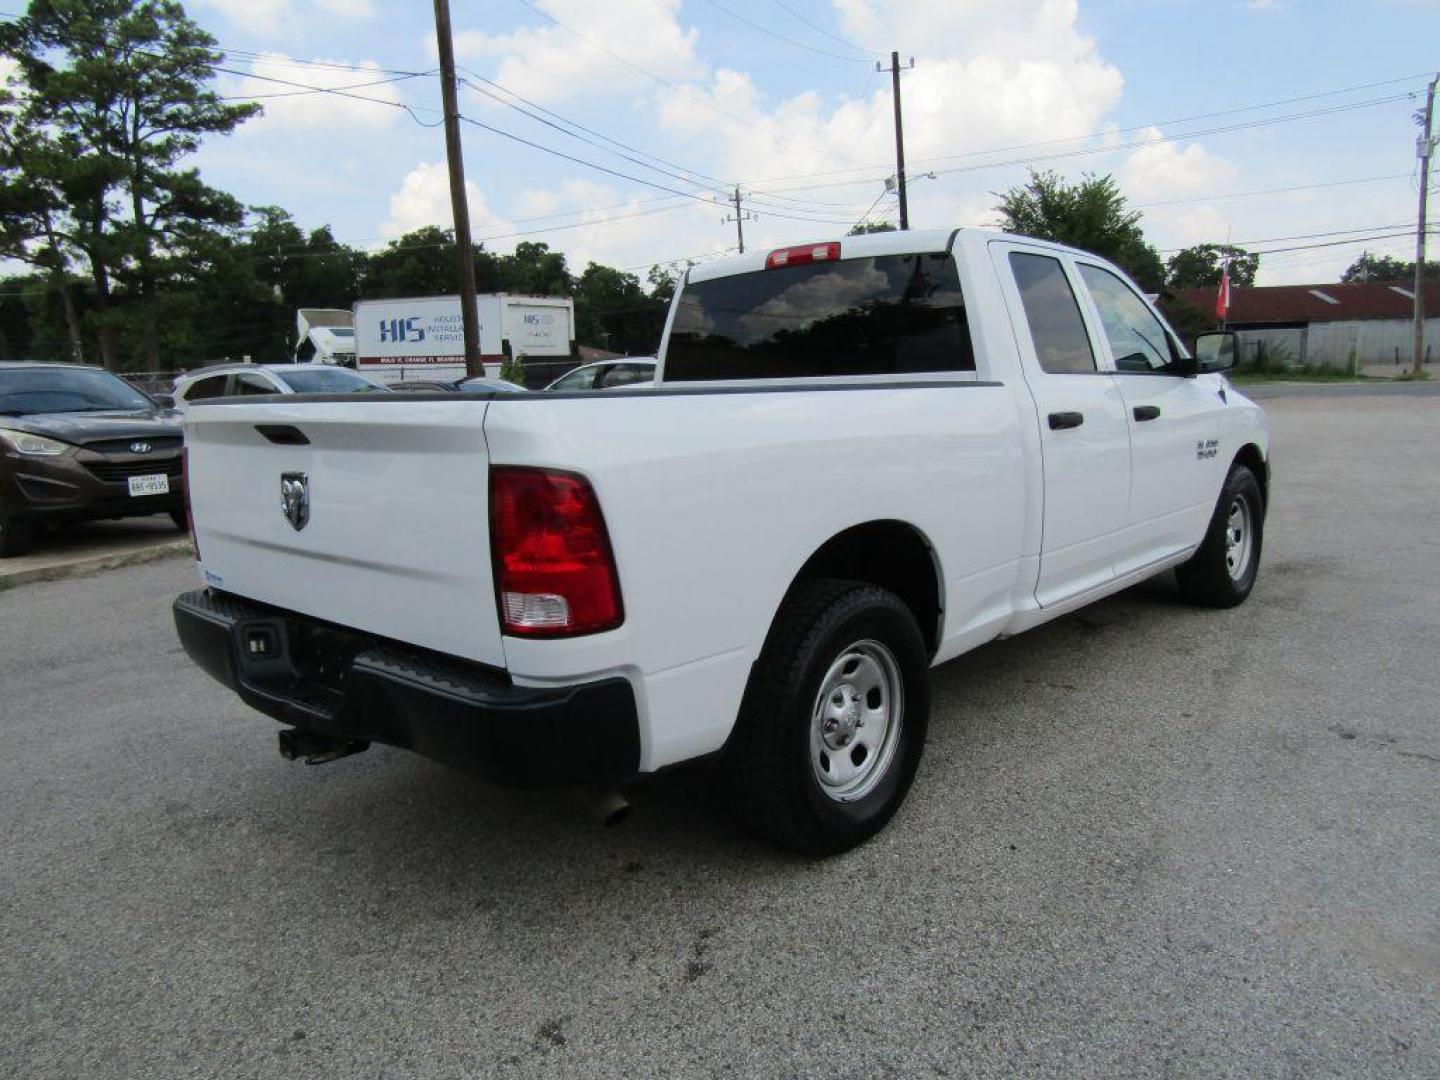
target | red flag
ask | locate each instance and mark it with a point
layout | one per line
(1222, 302)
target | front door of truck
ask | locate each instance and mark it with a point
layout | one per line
(1176, 463)
(1084, 439)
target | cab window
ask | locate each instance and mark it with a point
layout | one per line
(1137, 338)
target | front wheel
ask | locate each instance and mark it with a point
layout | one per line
(833, 722)
(1222, 571)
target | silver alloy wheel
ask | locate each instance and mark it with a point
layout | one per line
(1239, 537)
(855, 724)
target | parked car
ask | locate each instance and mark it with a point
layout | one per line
(78, 443)
(861, 458)
(241, 380)
(604, 374)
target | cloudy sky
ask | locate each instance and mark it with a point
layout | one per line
(1275, 123)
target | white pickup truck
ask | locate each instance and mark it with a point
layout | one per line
(860, 459)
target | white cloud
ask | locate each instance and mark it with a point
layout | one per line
(349, 9)
(424, 199)
(260, 16)
(292, 108)
(989, 76)
(546, 63)
(263, 16)
(1166, 170)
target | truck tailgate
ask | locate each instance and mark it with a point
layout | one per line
(397, 539)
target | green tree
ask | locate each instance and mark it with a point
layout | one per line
(663, 281)
(534, 269)
(613, 310)
(1092, 215)
(1200, 267)
(1387, 269)
(864, 228)
(117, 96)
(31, 209)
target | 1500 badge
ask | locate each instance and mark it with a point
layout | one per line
(1206, 448)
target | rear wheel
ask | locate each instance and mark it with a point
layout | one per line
(1222, 571)
(833, 722)
(178, 517)
(15, 533)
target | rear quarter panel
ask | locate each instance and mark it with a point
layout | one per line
(714, 501)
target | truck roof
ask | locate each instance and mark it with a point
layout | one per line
(870, 244)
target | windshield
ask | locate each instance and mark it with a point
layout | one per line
(327, 380)
(58, 390)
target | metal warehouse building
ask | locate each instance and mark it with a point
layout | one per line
(1346, 327)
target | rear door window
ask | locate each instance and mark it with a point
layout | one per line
(248, 382)
(625, 374)
(1062, 343)
(884, 315)
(212, 386)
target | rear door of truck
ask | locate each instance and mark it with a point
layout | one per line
(370, 514)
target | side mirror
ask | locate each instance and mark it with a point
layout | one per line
(1216, 351)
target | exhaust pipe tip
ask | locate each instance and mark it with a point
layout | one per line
(606, 805)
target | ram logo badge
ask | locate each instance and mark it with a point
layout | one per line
(295, 499)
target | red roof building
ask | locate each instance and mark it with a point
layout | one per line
(1346, 327)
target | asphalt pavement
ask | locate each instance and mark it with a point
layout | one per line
(1146, 841)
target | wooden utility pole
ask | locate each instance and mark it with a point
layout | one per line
(741, 216)
(1425, 149)
(899, 136)
(459, 204)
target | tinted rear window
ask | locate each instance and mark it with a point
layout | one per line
(887, 315)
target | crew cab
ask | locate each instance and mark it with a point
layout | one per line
(861, 458)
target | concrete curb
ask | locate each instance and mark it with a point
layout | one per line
(94, 564)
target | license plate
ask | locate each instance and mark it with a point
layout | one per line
(150, 485)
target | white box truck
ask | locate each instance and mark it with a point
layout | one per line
(421, 337)
(324, 336)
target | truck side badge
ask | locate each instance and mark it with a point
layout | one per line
(295, 499)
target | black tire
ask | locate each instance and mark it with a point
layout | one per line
(1207, 578)
(770, 777)
(16, 534)
(181, 522)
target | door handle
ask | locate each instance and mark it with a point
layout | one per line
(1060, 420)
(1147, 412)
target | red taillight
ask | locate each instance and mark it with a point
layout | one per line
(185, 489)
(554, 571)
(805, 253)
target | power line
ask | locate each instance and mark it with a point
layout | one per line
(684, 174)
(1281, 239)
(781, 37)
(615, 172)
(1273, 191)
(871, 210)
(746, 123)
(316, 90)
(822, 31)
(1114, 148)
